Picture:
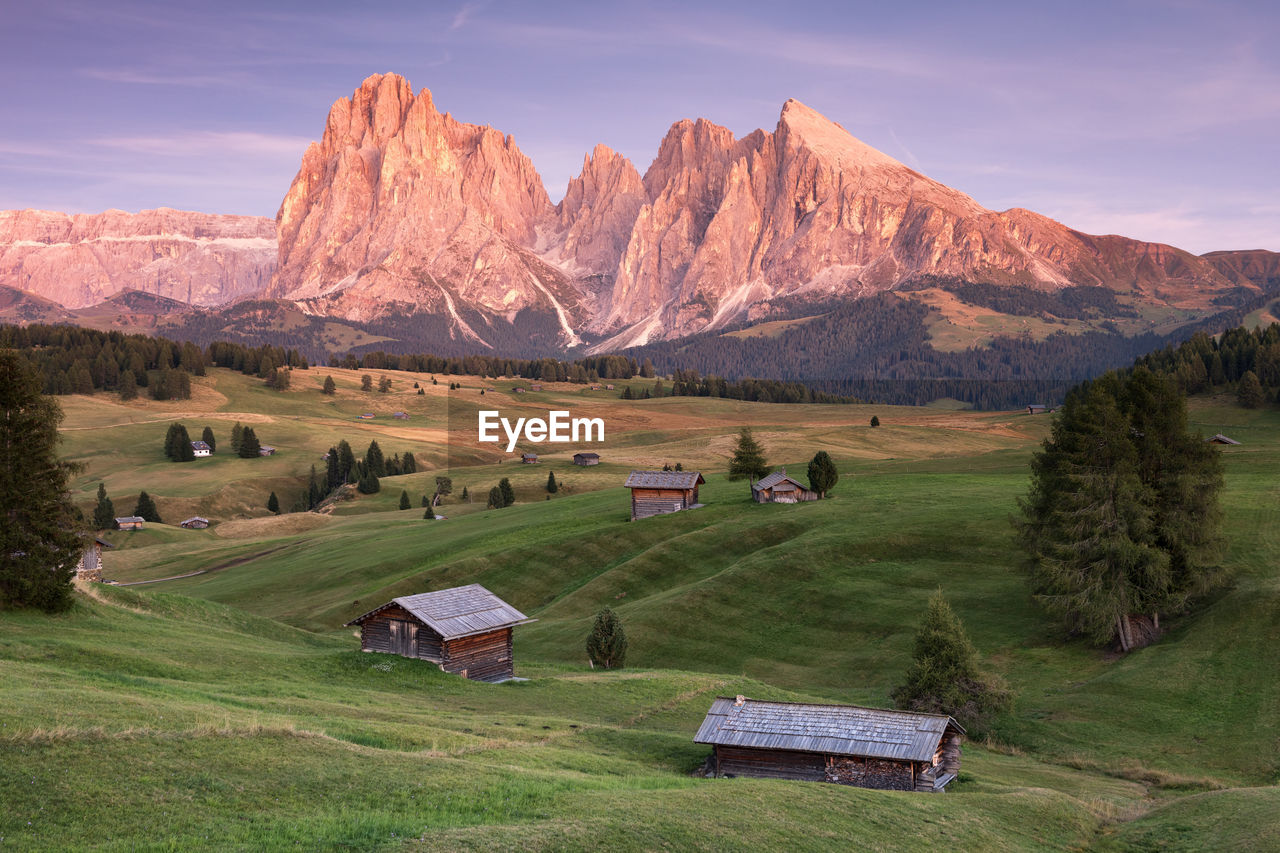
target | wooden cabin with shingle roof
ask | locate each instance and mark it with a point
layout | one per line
(661, 492)
(466, 630)
(89, 569)
(845, 744)
(778, 488)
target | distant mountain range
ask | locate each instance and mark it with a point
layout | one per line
(408, 229)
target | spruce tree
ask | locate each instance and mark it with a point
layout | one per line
(465, 496)
(273, 504)
(374, 459)
(330, 387)
(146, 509)
(128, 385)
(1249, 394)
(384, 384)
(428, 512)
(366, 383)
(607, 642)
(104, 513)
(495, 498)
(822, 473)
(346, 464)
(875, 420)
(944, 676)
(207, 438)
(40, 539)
(366, 481)
(171, 443)
(404, 500)
(408, 465)
(508, 493)
(182, 446)
(250, 447)
(748, 458)
(315, 491)
(551, 482)
(237, 437)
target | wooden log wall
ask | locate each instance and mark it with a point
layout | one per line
(769, 763)
(483, 657)
(375, 632)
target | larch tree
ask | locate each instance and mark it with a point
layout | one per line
(104, 512)
(748, 460)
(823, 475)
(607, 642)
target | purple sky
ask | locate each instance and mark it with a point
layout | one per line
(1158, 120)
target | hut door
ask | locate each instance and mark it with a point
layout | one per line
(404, 638)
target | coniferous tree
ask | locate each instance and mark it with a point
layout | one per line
(408, 465)
(495, 498)
(404, 499)
(237, 437)
(366, 481)
(1249, 394)
(465, 496)
(384, 384)
(366, 383)
(104, 513)
(250, 447)
(146, 509)
(944, 676)
(128, 385)
(508, 493)
(207, 438)
(426, 501)
(551, 482)
(875, 420)
(171, 443)
(346, 464)
(748, 458)
(428, 512)
(607, 642)
(273, 504)
(315, 490)
(330, 387)
(40, 539)
(822, 473)
(373, 458)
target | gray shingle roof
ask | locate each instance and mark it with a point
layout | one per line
(828, 729)
(771, 480)
(1222, 439)
(125, 519)
(457, 612)
(664, 479)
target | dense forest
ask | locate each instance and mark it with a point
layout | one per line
(1245, 359)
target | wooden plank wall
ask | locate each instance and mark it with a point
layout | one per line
(770, 763)
(483, 657)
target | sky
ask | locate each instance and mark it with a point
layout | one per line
(1155, 119)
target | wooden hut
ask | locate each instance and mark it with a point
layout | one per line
(266, 450)
(586, 459)
(529, 458)
(466, 630)
(661, 492)
(90, 566)
(1039, 409)
(845, 744)
(201, 448)
(778, 488)
(1221, 439)
(196, 522)
(129, 522)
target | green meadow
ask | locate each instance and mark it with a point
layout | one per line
(231, 708)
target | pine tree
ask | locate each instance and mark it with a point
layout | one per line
(495, 498)
(171, 443)
(146, 509)
(384, 384)
(40, 539)
(875, 420)
(373, 458)
(366, 481)
(366, 383)
(607, 642)
(273, 504)
(1249, 394)
(428, 512)
(128, 385)
(186, 453)
(404, 500)
(408, 465)
(748, 458)
(104, 513)
(207, 438)
(508, 493)
(330, 387)
(944, 676)
(551, 482)
(237, 437)
(466, 497)
(250, 447)
(823, 475)
(346, 464)
(627, 394)
(315, 490)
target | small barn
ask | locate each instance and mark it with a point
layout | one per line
(779, 488)
(129, 522)
(196, 522)
(201, 448)
(266, 450)
(661, 492)
(90, 566)
(845, 744)
(1222, 439)
(400, 416)
(466, 630)
(1039, 409)
(518, 390)
(586, 459)
(367, 416)
(535, 387)
(529, 458)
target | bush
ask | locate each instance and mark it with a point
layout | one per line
(607, 642)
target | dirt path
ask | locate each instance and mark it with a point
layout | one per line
(238, 561)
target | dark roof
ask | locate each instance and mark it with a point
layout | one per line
(195, 518)
(826, 729)
(104, 543)
(664, 479)
(457, 612)
(199, 445)
(529, 455)
(587, 455)
(1222, 439)
(774, 479)
(124, 519)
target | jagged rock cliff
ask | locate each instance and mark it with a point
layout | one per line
(84, 259)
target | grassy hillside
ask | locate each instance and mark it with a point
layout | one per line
(238, 685)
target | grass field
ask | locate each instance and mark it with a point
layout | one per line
(231, 708)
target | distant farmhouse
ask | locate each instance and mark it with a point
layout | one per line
(661, 492)
(535, 387)
(367, 416)
(129, 522)
(266, 450)
(466, 630)
(201, 448)
(89, 568)
(845, 744)
(1039, 409)
(529, 458)
(586, 459)
(778, 488)
(1222, 439)
(400, 416)
(196, 522)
